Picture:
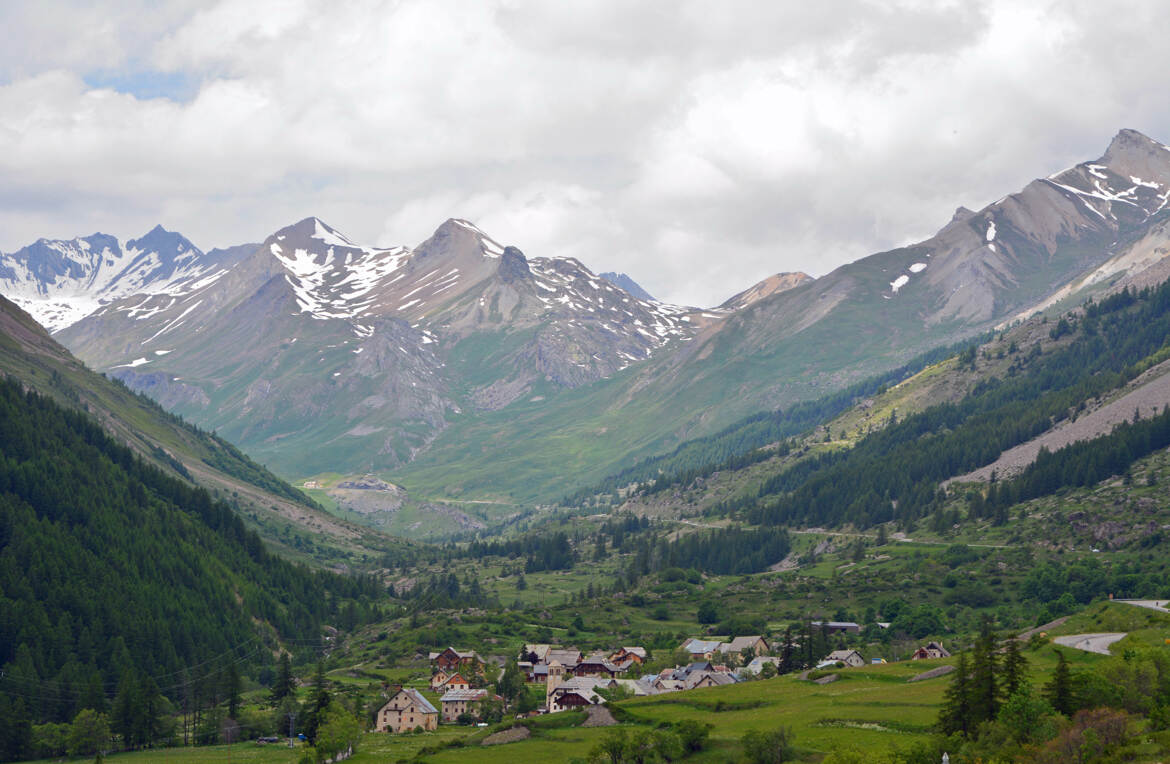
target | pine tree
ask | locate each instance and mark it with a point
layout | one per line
(317, 703)
(984, 692)
(786, 652)
(232, 690)
(283, 686)
(955, 716)
(1059, 691)
(1013, 677)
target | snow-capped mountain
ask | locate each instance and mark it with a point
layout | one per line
(378, 346)
(59, 282)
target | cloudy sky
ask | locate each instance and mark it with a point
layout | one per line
(698, 146)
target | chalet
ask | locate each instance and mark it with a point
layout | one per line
(837, 627)
(930, 650)
(455, 703)
(577, 692)
(406, 710)
(701, 649)
(596, 665)
(629, 655)
(757, 644)
(535, 653)
(848, 657)
(442, 682)
(666, 684)
(450, 660)
(700, 679)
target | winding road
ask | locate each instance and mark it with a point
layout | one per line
(1091, 643)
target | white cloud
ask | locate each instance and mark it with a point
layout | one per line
(697, 147)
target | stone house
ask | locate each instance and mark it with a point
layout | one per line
(405, 710)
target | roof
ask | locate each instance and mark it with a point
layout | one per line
(417, 698)
(715, 677)
(638, 651)
(566, 656)
(541, 651)
(459, 653)
(841, 655)
(739, 644)
(583, 684)
(456, 695)
(696, 646)
(758, 662)
(837, 624)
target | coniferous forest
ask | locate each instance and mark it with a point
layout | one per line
(120, 582)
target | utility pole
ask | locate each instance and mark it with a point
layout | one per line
(292, 716)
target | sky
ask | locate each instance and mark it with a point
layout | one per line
(697, 146)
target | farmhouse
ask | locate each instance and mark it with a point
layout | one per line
(757, 644)
(701, 649)
(458, 702)
(707, 679)
(442, 682)
(930, 650)
(848, 657)
(577, 692)
(451, 660)
(596, 665)
(405, 710)
(629, 654)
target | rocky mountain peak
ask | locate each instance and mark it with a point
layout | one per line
(457, 237)
(513, 266)
(167, 243)
(1133, 155)
(625, 282)
(962, 213)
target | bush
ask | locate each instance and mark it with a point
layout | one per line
(768, 747)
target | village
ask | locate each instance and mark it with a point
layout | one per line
(572, 680)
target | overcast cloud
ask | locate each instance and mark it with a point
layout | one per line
(697, 146)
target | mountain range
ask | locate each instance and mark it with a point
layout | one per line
(461, 367)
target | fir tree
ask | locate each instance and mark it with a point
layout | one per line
(984, 691)
(283, 686)
(1059, 691)
(232, 690)
(955, 716)
(1013, 677)
(317, 703)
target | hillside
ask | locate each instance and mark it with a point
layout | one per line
(117, 575)
(282, 514)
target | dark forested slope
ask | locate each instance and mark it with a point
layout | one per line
(110, 567)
